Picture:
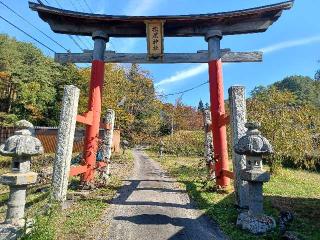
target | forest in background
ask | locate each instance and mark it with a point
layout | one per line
(31, 87)
(32, 84)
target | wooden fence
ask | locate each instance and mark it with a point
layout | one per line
(48, 137)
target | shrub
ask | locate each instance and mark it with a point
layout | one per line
(184, 143)
(7, 120)
(289, 126)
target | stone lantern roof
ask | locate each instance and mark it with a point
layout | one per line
(22, 143)
(253, 143)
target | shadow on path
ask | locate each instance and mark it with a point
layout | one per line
(159, 219)
(166, 209)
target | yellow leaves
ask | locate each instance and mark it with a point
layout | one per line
(36, 114)
(285, 123)
(4, 75)
(185, 143)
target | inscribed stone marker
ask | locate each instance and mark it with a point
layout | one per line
(238, 118)
(65, 138)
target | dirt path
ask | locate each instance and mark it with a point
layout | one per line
(150, 206)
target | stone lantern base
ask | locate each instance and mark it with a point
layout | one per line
(9, 232)
(255, 224)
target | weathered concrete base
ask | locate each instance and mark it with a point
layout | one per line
(9, 232)
(255, 224)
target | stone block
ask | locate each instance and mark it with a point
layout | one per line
(108, 134)
(18, 179)
(208, 154)
(257, 176)
(255, 224)
(9, 232)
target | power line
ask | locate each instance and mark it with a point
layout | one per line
(70, 36)
(83, 43)
(58, 3)
(184, 91)
(81, 6)
(28, 35)
(74, 6)
(42, 2)
(86, 3)
(24, 19)
(75, 42)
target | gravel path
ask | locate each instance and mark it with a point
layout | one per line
(150, 206)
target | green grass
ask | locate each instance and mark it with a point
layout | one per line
(294, 190)
(5, 163)
(79, 221)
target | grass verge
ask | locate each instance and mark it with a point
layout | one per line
(295, 190)
(80, 219)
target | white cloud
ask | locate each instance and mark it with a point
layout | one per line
(182, 75)
(290, 44)
(194, 71)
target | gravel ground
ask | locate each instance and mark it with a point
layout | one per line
(150, 206)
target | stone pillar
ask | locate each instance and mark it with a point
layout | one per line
(254, 146)
(208, 149)
(65, 138)
(161, 148)
(108, 136)
(238, 118)
(21, 147)
(125, 146)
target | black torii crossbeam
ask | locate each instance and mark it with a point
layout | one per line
(199, 57)
(229, 23)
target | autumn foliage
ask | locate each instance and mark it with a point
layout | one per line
(31, 87)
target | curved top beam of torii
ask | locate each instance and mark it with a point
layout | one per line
(229, 23)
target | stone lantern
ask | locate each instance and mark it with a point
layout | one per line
(254, 146)
(21, 147)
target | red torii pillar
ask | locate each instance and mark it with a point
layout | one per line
(218, 115)
(92, 117)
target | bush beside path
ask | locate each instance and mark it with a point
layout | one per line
(79, 218)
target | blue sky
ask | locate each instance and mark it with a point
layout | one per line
(291, 46)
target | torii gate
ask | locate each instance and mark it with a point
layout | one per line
(211, 26)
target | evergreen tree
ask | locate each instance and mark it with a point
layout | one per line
(317, 75)
(31, 83)
(305, 89)
(200, 106)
